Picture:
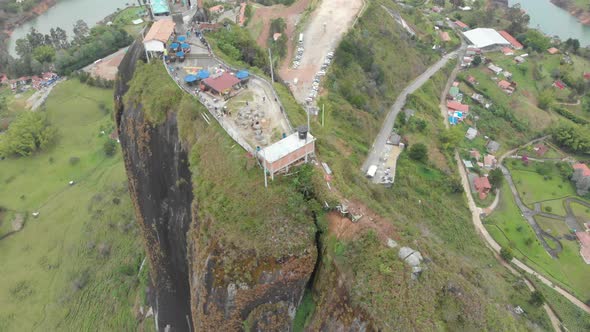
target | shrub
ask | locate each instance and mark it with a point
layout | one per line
(506, 254)
(537, 298)
(74, 160)
(109, 148)
(548, 209)
(28, 133)
(419, 152)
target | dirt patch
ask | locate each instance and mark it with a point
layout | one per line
(345, 229)
(290, 14)
(326, 27)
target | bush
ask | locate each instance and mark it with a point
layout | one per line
(74, 160)
(537, 298)
(28, 133)
(548, 209)
(109, 148)
(419, 152)
(506, 254)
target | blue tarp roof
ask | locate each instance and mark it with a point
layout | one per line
(181, 38)
(174, 45)
(179, 54)
(160, 7)
(453, 120)
(242, 74)
(185, 45)
(203, 74)
(190, 78)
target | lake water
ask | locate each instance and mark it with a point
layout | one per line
(65, 13)
(554, 21)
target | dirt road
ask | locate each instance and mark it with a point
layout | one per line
(290, 14)
(326, 27)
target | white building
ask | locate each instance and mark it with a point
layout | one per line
(471, 133)
(290, 150)
(157, 38)
(486, 38)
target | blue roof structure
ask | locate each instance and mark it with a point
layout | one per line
(174, 46)
(190, 78)
(160, 7)
(185, 45)
(242, 74)
(180, 54)
(453, 120)
(181, 38)
(203, 74)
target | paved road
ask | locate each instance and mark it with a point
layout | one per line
(378, 147)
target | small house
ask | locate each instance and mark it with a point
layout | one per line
(394, 139)
(540, 149)
(287, 152)
(222, 84)
(519, 59)
(471, 133)
(478, 98)
(513, 42)
(457, 106)
(553, 50)
(489, 161)
(559, 84)
(475, 154)
(461, 25)
(493, 146)
(495, 69)
(454, 92)
(482, 186)
(159, 35)
(471, 80)
(506, 86)
(507, 51)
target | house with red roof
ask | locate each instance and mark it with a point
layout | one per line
(553, 50)
(455, 106)
(461, 25)
(216, 9)
(581, 178)
(471, 79)
(506, 86)
(507, 51)
(515, 44)
(559, 84)
(584, 238)
(489, 161)
(482, 186)
(222, 84)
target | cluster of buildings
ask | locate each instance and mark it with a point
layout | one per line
(25, 82)
(479, 181)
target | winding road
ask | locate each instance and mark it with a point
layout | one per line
(378, 147)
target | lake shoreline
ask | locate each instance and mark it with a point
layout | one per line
(582, 15)
(39, 9)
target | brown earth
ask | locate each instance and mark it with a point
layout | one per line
(290, 14)
(582, 14)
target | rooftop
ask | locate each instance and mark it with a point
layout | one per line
(454, 105)
(482, 183)
(583, 167)
(484, 37)
(285, 146)
(161, 30)
(553, 50)
(221, 83)
(511, 39)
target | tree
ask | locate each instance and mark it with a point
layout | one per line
(537, 298)
(28, 133)
(495, 177)
(476, 60)
(81, 31)
(44, 53)
(109, 148)
(545, 100)
(450, 138)
(573, 137)
(506, 254)
(419, 152)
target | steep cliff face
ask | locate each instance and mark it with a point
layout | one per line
(202, 280)
(159, 183)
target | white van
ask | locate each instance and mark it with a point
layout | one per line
(372, 171)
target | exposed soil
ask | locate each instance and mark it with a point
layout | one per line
(290, 14)
(328, 23)
(345, 229)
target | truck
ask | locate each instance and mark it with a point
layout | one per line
(300, 38)
(372, 171)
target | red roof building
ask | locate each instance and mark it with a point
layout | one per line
(553, 50)
(515, 44)
(475, 154)
(483, 186)
(507, 51)
(559, 84)
(584, 238)
(471, 79)
(221, 84)
(587, 76)
(461, 25)
(583, 167)
(457, 106)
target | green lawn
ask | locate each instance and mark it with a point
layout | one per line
(557, 228)
(571, 316)
(509, 229)
(534, 187)
(581, 211)
(74, 267)
(555, 207)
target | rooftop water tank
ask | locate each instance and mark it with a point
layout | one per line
(302, 131)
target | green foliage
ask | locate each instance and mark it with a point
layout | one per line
(28, 133)
(545, 100)
(537, 298)
(109, 147)
(496, 177)
(44, 53)
(451, 138)
(238, 45)
(476, 60)
(506, 254)
(535, 40)
(570, 115)
(304, 311)
(419, 152)
(153, 90)
(572, 137)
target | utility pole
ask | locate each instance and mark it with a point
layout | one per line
(272, 75)
(323, 113)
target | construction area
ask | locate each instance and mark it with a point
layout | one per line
(327, 24)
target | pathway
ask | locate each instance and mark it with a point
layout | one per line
(378, 147)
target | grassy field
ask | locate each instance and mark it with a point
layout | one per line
(581, 211)
(572, 317)
(509, 229)
(557, 228)
(75, 267)
(555, 206)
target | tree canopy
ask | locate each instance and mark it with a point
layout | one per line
(28, 133)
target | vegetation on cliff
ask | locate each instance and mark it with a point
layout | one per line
(154, 90)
